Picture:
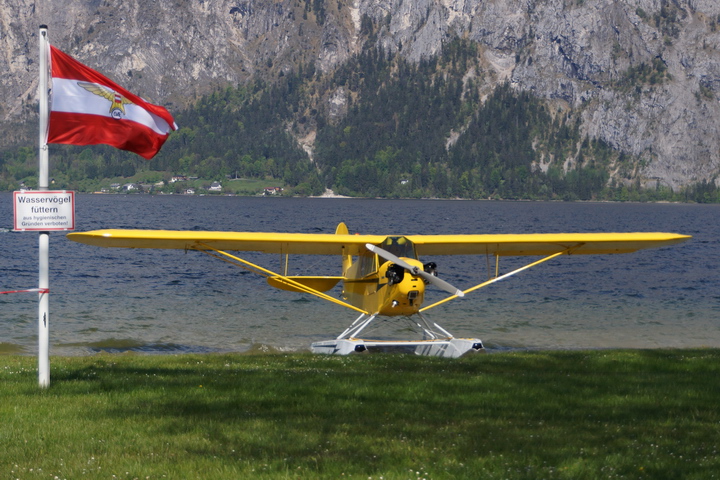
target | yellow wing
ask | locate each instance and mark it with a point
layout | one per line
(344, 244)
(290, 243)
(542, 243)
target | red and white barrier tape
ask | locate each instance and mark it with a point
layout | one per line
(29, 290)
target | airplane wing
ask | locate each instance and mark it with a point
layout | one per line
(344, 244)
(265, 242)
(542, 243)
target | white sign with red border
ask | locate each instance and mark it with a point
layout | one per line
(44, 210)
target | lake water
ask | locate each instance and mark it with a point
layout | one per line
(171, 301)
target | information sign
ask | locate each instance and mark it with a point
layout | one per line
(44, 210)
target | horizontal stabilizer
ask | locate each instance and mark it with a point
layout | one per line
(320, 284)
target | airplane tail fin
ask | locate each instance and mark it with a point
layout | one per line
(346, 259)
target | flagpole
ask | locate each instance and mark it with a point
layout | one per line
(44, 237)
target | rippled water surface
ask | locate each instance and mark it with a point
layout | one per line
(171, 301)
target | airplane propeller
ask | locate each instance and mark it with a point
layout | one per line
(430, 278)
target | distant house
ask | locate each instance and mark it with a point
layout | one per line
(215, 187)
(189, 191)
(178, 178)
(115, 186)
(272, 191)
(129, 187)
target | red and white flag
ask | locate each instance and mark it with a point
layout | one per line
(88, 108)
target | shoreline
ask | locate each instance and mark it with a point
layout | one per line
(331, 195)
(172, 350)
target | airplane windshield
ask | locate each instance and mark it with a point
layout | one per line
(399, 246)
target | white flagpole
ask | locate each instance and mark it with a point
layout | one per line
(44, 237)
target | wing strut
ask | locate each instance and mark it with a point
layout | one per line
(502, 277)
(237, 261)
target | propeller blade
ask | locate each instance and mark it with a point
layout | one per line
(438, 282)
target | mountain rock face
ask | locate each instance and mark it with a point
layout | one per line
(642, 75)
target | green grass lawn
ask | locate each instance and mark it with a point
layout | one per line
(529, 415)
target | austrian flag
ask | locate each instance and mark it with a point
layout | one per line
(88, 108)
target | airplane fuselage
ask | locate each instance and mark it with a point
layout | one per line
(387, 290)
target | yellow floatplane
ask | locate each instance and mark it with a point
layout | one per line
(382, 275)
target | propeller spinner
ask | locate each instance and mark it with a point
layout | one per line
(428, 277)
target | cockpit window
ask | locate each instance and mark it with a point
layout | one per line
(367, 264)
(399, 246)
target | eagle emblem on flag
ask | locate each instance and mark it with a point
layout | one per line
(117, 101)
(78, 114)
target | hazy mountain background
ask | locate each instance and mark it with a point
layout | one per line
(471, 98)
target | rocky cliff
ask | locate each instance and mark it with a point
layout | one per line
(643, 75)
